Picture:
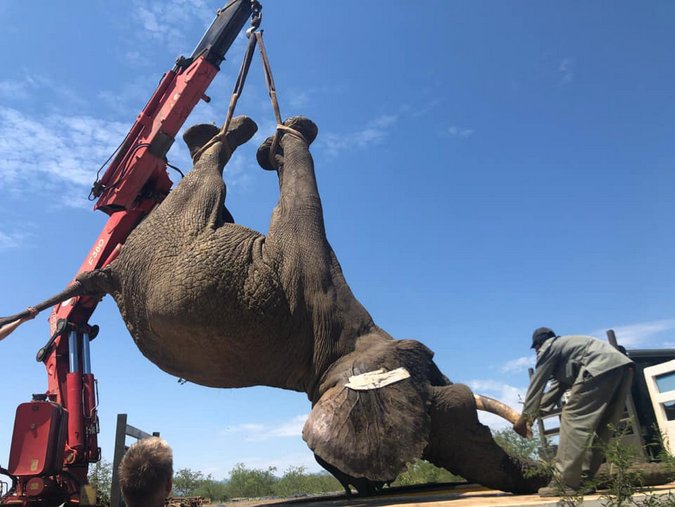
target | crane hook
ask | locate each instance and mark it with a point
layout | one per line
(256, 17)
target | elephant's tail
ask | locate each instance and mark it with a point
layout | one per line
(97, 282)
(496, 407)
(75, 289)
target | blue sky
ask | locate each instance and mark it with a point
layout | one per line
(485, 167)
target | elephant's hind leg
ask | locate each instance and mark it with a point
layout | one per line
(198, 201)
(297, 220)
(461, 444)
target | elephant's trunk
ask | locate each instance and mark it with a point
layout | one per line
(493, 406)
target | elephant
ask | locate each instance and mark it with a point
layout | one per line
(221, 305)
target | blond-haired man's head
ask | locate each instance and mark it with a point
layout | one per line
(146, 473)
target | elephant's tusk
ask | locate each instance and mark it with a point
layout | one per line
(493, 406)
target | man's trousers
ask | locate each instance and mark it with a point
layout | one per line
(595, 406)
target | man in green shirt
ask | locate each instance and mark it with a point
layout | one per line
(599, 379)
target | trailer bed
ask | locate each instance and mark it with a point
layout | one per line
(439, 496)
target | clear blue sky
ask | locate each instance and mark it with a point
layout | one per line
(486, 167)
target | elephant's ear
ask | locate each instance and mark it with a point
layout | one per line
(370, 432)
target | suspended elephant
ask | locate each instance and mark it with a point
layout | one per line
(222, 305)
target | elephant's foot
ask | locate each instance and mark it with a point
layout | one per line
(301, 125)
(197, 137)
(242, 128)
(306, 127)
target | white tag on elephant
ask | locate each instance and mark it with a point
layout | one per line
(376, 379)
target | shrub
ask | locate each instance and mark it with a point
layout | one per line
(423, 472)
(186, 482)
(517, 446)
(250, 483)
(296, 481)
(100, 477)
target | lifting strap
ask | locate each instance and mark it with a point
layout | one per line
(269, 80)
(272, 91)
(236, 93)
(255, 37)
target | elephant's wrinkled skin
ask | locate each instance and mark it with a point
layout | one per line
(224, 306)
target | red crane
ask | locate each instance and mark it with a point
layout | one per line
(56, 434)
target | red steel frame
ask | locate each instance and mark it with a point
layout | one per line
(135, 182)
(176, 96)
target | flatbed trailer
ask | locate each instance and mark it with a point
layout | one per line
(446, 495)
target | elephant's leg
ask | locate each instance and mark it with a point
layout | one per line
(464, 446)
(196, 137)
(298, 212)
(296, 246)
(198, 201)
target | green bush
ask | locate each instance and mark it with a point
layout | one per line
(212, 489)
(186, 482)
(250, 483)
(423, 472)
(296, 481)
(100, 477)
(517, 446)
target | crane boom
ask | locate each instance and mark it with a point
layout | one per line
(51, 467)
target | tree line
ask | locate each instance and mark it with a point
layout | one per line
(246, 482)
